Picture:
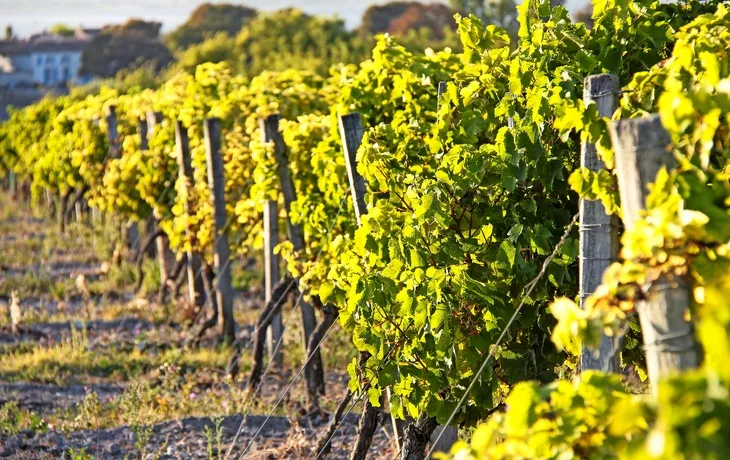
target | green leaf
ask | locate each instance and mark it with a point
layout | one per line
(507, 253)
(374, 396)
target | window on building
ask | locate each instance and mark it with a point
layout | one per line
(39, 60)
(66, 74)
(65, 59)
(49, 59)
(47, 76)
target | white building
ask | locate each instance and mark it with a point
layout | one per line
(45, 60)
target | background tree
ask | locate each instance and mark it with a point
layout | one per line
(436, 17)
(502, 13)
(218, 48)
(378, 18)
(208, 20)
(63, 30)
(8, 32)
(137, 27)
(290, 38)
(133, 44)
(466, 7)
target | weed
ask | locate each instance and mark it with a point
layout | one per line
(79, 454)
(131, 405)
(152, 281)
(89, 411)
(14, 420)
(214, 435)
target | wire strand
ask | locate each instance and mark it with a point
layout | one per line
(528, 290)
(276, 349)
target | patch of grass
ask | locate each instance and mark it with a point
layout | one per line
(79, 454)
(24, 251)
(14, 420)
(152, 280)
(138, 308)
(171, 394)
(243, 278)
(72, 362)
(119, 279)
(37, 285)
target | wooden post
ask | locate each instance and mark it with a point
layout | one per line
(270, 133)
(153, 120)
(598, 230)
(271, 277)
(112, 133)
(12, 185)
(150, 223)
(143, 130)
(165, 257)
(351, 133)
(642, 148)
(217, 184)
(440, 92)
(195, 278)
(130, 232)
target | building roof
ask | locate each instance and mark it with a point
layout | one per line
(66, 45)
(14, 47)
(40, 44)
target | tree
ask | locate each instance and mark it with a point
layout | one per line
(63, 30)
(130, 45)
(290, 38)
(208, 20)
(218, 48)
(501, 13)
(137, 27)
(436, 17)
(467, 7)
(377, 18)
(8, 32)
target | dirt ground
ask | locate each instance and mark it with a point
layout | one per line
(108, 375)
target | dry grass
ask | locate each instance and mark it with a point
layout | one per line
(162, 381)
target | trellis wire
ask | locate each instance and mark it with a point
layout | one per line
(281, 338)
(291, 384)
(528, 290)
(364, 391)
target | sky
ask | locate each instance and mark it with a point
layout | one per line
(31, 16)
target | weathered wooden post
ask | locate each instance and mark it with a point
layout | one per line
(195, 278)
(112, 133)
(165, 257)
(271, 277)
(598, 230)
(217, 184)
(270, 133)
(642, 147)
(351, 133)
(150, 223)
(143, 131)
(12, 185)
(129, 230)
